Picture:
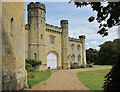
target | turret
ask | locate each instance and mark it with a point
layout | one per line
(36, 34)
(64, 27)
(82, 38)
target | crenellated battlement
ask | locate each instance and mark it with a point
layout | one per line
(75, 39)
(64, 21)
(53, 28)
(36, 5)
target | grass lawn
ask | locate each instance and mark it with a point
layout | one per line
(93, 79)
(38, 77)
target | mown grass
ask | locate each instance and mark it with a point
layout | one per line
(93, 79)
(38, 77)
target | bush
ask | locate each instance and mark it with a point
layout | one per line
(83, 66)
(28, 67)
(33, 62)
(79, 66)
(73, 65)
(89, 65)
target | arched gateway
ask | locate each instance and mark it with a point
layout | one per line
(52, 61)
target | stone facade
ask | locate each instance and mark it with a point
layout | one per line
(13, 46)
(45, 39)
(0, 46)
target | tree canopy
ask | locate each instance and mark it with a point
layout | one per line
(109, 52)
(107, 15)
(91, 56)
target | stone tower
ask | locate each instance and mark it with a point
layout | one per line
(64, 38)
(82, 38)
(36, 34)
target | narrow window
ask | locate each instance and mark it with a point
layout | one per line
(12, 23)
(72, 46)
(41, 36)
(41, 12)
(72, 58)
(41, 21)
(79, 59)
(52, 40)
(35, 56)
(78, 47)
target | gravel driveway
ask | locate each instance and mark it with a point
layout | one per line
(64, 80)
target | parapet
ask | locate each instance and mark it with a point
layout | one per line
(75, 39)
(36, 5)
(82, 37)
(64, 22)
(52, 27)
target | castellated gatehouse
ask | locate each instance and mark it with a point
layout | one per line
(51, 44)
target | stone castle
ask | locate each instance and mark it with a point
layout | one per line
(51, 44)
(40, 41)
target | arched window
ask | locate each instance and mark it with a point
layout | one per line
(72, 47)
(52, 39)
(41, 36)
(79, 59)
(72, 58)
(35, 55)
(78, 47)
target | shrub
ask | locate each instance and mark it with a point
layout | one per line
(89, 65)
(28, 67)
(79, 66)
(33, 62)
(73, 65)
(83, 66)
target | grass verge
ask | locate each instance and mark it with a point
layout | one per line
(93, 79)
(38, 77)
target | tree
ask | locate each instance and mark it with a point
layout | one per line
(91, 55)
(106, 53)
(107, 16)
(109, 52)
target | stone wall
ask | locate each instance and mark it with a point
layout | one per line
(13, 46)
(75, 51)
(0, 46)
(56, 47)
(26, 42)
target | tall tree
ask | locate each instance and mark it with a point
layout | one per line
(91, 56)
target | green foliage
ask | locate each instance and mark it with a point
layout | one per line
(109, 52)
(33, 62)
(112, 79)
(83, 66)
(73, 65)
(109, 14)
(93, 79)
(89, 65)
(91, 56)
(28, 67)
(30, 63)
(36, 77)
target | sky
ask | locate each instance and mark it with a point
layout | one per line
(78, 22)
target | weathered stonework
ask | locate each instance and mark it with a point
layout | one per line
(13, 46)
(39, 40)
(0, 46)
